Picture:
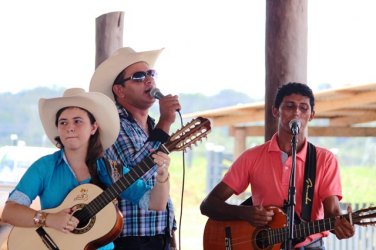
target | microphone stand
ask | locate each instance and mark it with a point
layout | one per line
(291, 195)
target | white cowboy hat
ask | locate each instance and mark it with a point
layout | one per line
(106, 73)
(99, 105)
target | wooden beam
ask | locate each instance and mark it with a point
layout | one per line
(316, 131)
(249, 131)
(240, 141)
(346, 121)
(342, 131)
(351, 101)
(236, 118)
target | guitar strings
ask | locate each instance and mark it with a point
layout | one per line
(278, 235)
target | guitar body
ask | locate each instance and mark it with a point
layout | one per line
(240, 235)
(101, 229)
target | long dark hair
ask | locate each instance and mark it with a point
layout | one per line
(95, 148)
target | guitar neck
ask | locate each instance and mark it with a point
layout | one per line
(190, 134)
(305, 229)
(302, 230)
(120, 185)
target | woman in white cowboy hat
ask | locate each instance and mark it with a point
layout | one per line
(82, 124)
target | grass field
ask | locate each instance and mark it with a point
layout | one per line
(358, 184)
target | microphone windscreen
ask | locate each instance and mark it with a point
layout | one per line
(156, 93)
(295, 122)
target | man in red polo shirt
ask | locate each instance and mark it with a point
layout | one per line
(267, 168)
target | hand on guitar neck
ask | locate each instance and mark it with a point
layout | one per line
(343, 228)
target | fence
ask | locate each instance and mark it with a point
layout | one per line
(364, 238)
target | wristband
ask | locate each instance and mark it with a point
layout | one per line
(168, 177)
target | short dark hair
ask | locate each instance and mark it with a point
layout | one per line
(294, 88)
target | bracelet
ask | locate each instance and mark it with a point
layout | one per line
(168, 177)
(40, 218)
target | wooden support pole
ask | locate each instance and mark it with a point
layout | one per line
(108, 36)
(240, 140)
(285, 51)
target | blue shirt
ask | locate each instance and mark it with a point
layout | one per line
(51, 178)
(130, 148)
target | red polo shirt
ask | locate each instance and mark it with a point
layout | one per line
(263, 169)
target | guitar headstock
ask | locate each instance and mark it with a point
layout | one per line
(193, 132)
(365, 216)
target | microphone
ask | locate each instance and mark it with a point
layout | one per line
(294, 125)
(156, 93)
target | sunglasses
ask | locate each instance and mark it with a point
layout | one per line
(140, 76)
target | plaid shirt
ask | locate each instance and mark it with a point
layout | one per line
(130, 148)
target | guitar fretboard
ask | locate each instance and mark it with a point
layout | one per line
(301, 230)
(190, 134)
(108, 195)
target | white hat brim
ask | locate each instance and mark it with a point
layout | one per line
(99, 105)
(106, 73)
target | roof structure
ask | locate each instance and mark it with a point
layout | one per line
(340, 112)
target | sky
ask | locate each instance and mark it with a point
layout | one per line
(210, 45)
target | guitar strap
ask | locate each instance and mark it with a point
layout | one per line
(309, 182)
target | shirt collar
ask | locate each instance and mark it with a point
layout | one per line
(274, 147)
(128, 115)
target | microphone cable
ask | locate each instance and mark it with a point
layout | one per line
(156, 93)
(182, 187)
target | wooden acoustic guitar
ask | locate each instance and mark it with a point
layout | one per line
(240, 235)
(100, 220)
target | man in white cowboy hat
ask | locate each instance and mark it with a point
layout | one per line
(82, 125)
(127, 77)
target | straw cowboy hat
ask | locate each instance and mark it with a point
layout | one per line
(99, 105)
(106, 73)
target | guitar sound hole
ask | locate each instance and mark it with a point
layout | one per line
(86, 223)
(262, 241)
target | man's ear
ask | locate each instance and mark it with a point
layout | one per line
(312, 116)
(275, 112)
(118, 90)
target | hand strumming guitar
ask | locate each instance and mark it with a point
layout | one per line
(258, 216)
(63, 221)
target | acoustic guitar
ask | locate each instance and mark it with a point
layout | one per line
(240, 235)
(100, 220)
